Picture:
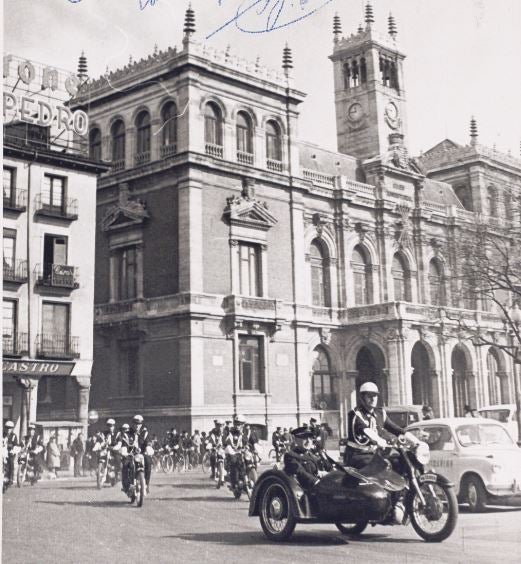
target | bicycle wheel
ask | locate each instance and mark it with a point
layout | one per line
(180, 463)
(206, 463)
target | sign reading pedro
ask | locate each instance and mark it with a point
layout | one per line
(36, 367)
(37, 94)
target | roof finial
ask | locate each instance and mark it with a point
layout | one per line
(82, 66)
(369, 15)
(130, 60)
(393, 31)
(156, 49)
(360, 28)
(337, 27)
(189, 27)
(473, 131)
(287, 60)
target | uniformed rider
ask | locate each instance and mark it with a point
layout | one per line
(215, 442)
(232, 446)
(307, 467)
(123, 444)
(34, 445)
(367, 427)
(139, 436)
(110, 437)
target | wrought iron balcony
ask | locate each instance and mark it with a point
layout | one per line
(67, 209)
(15, 344)
(57, 276)
(16, 272)
(168, 150)
(276, 166)
(244, 158)
(324, 401)
(142, 158)
(15, 199)
(214, 150)
(51, 345)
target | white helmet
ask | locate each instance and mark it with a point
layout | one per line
(239, 419)
(111, 421)
(370, 387)
(9, 424)
(137, 419)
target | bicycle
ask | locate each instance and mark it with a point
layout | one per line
(167, 461)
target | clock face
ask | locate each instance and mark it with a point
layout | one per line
(391, 111)
(355, 112)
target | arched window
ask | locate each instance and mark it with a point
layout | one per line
(212, 125)
(492, 201)
(323, 391)
(494, 381)
(361, 276)
(95, 144)
(319, 275)
(401, 279)
(168, 129)
(273, 142)
(464, 196)
(436, 283)
(244, 138)
(117, 135)
(143, 137)
(509, 211)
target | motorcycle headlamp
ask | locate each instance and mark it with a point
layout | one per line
(423, 453)
(139, 458)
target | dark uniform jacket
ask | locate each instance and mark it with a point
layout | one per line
(11, 440)
(33, 442)
(250, 438)
(304, 466)
(277, 439)
(359, 419)
(215, 438)
(110, 438)
(140, 438)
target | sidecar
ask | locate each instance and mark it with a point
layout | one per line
(347, 499)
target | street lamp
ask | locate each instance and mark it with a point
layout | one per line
(514, 317)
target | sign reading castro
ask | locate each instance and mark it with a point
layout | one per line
(36, 367)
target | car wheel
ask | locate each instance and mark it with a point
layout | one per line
(476, 495)
(276, 515)
(353, 529)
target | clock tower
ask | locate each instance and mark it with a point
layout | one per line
(369, 89)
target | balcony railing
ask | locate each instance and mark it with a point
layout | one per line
(50, 345)
(142, 158)
(67, 209)
(244, 158)
(274, 165)
(16, 272)
(57, 276)
(15, 199)
(118, 165)
(214, 150)
(319, 177)
(15, 345)
(324, 401)
(168, 150)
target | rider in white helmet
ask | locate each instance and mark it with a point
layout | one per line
(367, 425)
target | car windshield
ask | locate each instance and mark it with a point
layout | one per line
(483, 434)
(500, 415)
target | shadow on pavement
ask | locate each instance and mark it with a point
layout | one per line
(494, 509)
(248, 538)
(122, 504)
(196, 498)
(183, 486)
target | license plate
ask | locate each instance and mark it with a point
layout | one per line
(428, 478)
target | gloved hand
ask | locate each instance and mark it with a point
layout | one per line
(322, 473)
(411, 438)
(382, 443)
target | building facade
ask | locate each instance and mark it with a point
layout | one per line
(49, 210)
(242, 270)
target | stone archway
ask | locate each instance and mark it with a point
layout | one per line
(422, 385)
(370, 365)
(463, 384)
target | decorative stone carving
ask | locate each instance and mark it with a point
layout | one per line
(247, 211)
(325, 335)
(362, 230)
(127, 212)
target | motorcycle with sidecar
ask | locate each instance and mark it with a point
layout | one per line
(378, 494)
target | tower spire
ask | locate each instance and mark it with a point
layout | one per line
(473, 131)
(393, 31)
(82, 66)
(287, 60)
(337, 27)
(189, 26)
(369, 15)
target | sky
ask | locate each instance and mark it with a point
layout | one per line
(463, 56)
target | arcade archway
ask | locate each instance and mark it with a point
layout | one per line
(370, 364)
(463, 387)
(421, 377)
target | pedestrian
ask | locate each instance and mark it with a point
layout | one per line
(53, 456)
(468, 411)
(427, 412)
(77, 452)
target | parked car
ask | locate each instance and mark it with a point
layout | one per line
(478, 455)
(504, 413)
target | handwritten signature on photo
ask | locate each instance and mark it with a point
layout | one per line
(263, 16)
(141, 3)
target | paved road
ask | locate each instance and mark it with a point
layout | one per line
(185, 519)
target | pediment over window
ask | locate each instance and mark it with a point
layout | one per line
(126, 213)
(247, 211)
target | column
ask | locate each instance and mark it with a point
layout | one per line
(139, 271)
(29, 398)
(190, 217)
(83, 401)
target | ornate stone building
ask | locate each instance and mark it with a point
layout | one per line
(240, 269)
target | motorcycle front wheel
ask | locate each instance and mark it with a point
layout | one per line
(352, 529)
(101, 475)
(206, 463)
(20, 475)
(140, 489)
(435, 521)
